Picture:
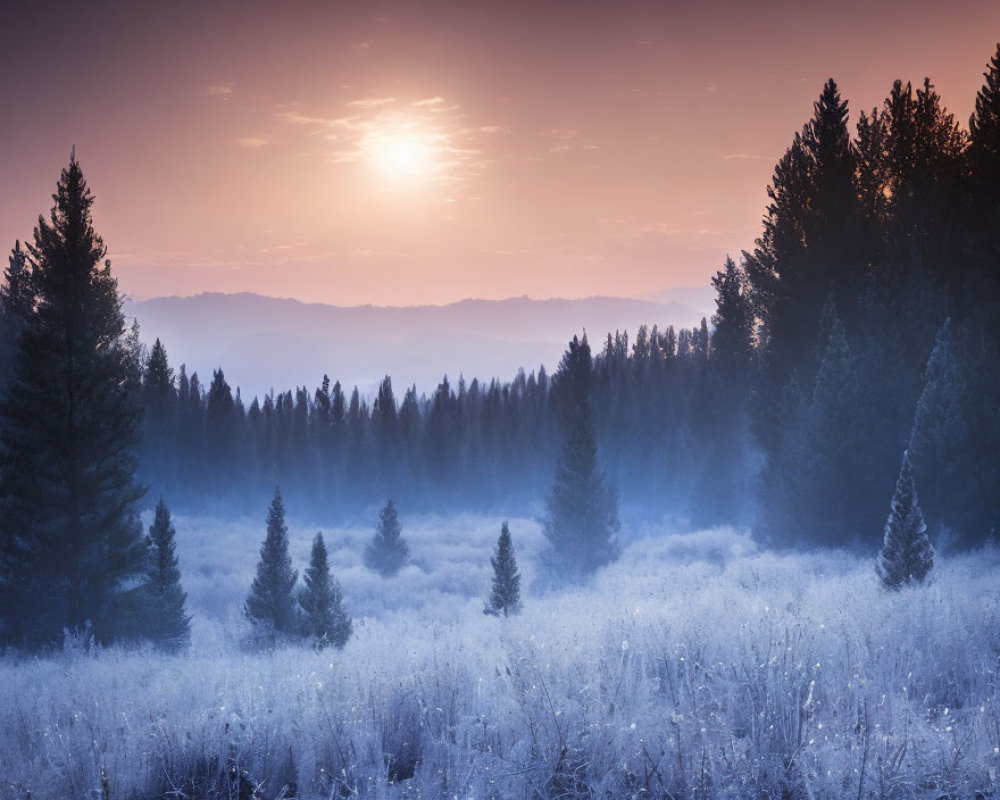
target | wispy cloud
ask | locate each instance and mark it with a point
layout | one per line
(430, 101)
(567, 140)
(253, 142)
(220, 90)
(743, 157)
(371, 102)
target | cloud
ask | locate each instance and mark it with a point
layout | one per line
(743, 157)
(430, 101)
(220, 90)
(253, 142)
(567, 140)
(371, 102)
(563, 134)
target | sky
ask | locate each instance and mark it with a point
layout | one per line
(405, 153)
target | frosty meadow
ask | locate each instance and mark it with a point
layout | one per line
(696, 666)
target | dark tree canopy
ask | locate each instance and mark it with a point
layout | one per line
(69, 430)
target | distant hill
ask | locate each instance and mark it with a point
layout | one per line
(266, 342)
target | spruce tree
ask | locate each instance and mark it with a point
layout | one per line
(159, 400)
(70, 535)
(271, 604)
(505, 596)
(17, 299)
(322, 601)
(166, 622)
(387, 551)
(907, 554)
(984, 125)
(221, 431)
(581, 514)
(955, 437)
(732, 341)
(983, 207)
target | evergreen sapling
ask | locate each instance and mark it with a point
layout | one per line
(907, 554)
(271, 604)
(167, 622)
(505, 596)
(322, 601)
(387, 551)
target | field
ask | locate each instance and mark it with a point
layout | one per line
(697, 666)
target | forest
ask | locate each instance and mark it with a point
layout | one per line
(724, 533)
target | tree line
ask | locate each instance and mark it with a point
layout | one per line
(863, 322)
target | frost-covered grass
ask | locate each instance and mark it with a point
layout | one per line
(697, 666)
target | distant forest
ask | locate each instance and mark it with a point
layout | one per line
(864, 322)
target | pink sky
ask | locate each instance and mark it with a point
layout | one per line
(409, 153)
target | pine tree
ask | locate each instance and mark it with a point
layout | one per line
(271, 604)
(907, 554)
(732, 341)
(17, 299)
(166, 620)
(159, 400)
(70, 535)
(505, 596)
(221, 431)
(955, 436)
(581, 515)
(387, 551)
(983, 208)
(322, 601)
(984, 125)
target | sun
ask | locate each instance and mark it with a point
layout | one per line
(400, 153)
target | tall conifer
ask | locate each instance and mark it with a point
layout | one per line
(70, 535)
(581, 513)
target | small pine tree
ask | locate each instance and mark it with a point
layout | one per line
(505, 597)
(907, 554)
(322, 601)
(271, 604)
(387, 551)
(167, 623)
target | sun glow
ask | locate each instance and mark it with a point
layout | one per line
(400, 152)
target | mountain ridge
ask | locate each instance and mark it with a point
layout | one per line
(264, 343)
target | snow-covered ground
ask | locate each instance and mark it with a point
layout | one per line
(696, 666)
